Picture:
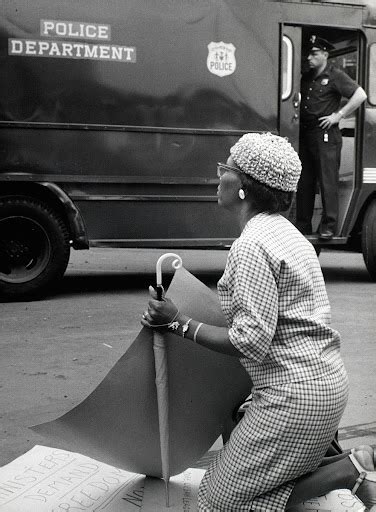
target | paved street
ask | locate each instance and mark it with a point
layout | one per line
(55, 351)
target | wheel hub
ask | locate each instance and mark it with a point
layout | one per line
(24, 249)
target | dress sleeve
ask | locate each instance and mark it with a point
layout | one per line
(254, 301)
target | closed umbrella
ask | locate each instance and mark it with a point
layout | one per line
(161, 377)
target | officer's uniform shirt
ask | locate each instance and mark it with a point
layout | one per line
(321, 96)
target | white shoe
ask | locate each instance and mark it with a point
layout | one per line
(365, 485)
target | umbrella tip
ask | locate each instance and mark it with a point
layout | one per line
(167, 493)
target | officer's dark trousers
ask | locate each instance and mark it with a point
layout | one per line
(320, 162)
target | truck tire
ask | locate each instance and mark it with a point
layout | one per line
(369, 239)
(34, 247)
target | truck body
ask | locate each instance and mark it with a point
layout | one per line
(114, 114)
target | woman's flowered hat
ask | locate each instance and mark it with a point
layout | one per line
(269, 159)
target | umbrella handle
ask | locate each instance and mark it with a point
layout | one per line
(177, 263)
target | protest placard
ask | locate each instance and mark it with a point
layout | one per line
(51, 480)
(48, 479)
(340, 500)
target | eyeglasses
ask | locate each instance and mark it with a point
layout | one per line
(222, 168)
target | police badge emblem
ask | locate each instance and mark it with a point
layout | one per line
(325, 81)
(221, 58)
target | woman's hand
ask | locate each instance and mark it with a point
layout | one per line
(159, 312)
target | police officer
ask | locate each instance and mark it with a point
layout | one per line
(322, 87)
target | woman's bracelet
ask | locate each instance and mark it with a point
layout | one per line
(172, 324)
(196, 332)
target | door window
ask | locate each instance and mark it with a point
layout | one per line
(372, 74)
(287, 67)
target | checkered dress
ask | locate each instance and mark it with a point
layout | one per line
(273, 296)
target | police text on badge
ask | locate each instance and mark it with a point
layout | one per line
(221, 58)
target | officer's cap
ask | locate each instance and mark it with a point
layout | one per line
(318, 43)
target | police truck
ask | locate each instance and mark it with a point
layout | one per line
(114, 113)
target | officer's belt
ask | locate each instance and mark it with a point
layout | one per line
(310, 125)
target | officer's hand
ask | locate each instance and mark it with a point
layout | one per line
(326, 122)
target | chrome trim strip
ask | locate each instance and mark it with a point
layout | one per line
(369, 175)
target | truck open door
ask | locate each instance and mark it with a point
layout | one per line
(290, 84)
(345, 56)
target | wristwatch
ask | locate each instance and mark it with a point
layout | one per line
(185, 327)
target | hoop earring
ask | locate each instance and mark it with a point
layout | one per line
(241, 194)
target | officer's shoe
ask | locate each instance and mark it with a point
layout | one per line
(326, 235)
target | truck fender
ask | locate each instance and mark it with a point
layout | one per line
(76, 222)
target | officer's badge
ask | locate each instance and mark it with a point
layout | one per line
(312, 39)
(325, 81)
(221, 58)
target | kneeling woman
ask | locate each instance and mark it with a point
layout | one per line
(273, 296)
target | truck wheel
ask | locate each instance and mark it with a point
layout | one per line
(34, 247)
(369, 239)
